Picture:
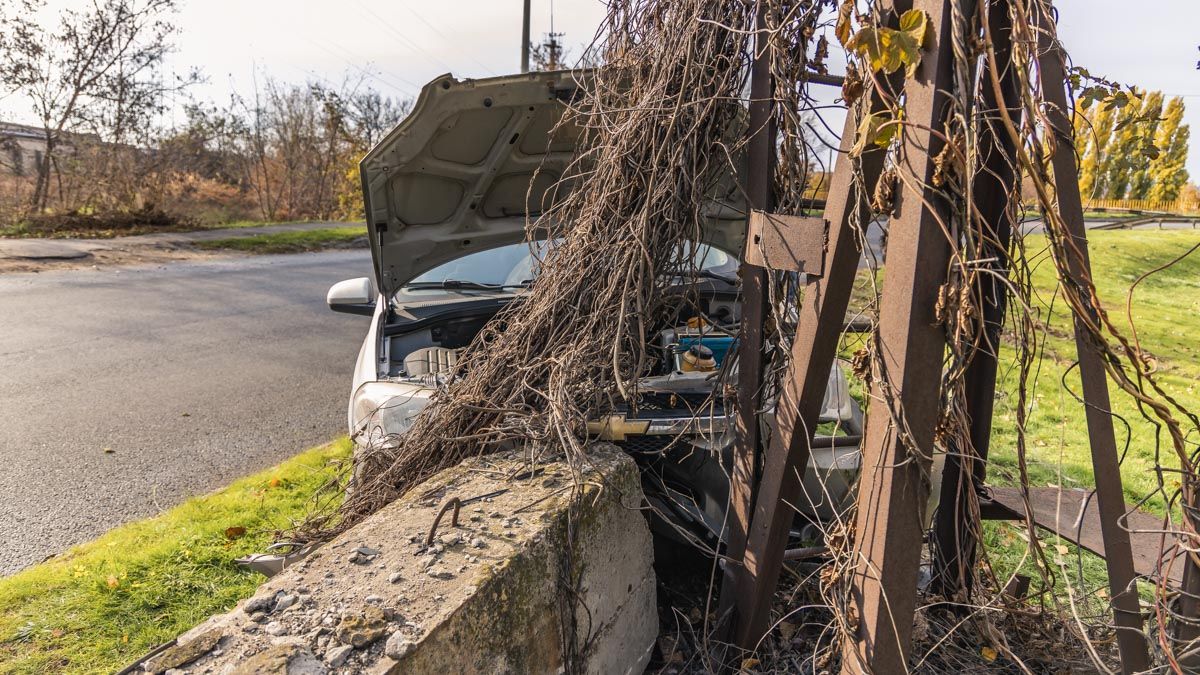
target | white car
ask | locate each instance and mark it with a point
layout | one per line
(446, 194)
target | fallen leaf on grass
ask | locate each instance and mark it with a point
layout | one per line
(988, 654)
(234, 532)
(1062, 550)
(112, 581)
(275, 482)
(749, 663)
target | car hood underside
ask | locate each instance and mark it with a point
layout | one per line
(457, 174)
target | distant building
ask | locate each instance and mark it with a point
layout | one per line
(21, 148)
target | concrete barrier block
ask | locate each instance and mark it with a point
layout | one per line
(543, 573)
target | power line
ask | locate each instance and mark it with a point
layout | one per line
(404, 39)
(378, 77)
(358, 58)
(446, 38)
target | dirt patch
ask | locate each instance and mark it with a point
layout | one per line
(104, 258)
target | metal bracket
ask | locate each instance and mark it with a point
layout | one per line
(776, 241)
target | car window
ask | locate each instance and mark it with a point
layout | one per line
(514, 264)
(482, 267)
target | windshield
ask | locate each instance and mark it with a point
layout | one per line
(515, 265)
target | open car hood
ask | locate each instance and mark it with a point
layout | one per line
(455, 176)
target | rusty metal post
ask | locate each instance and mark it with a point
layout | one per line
(759, 184)
(814, 348)
(956, 525)
(1105, 463)
(899, 442)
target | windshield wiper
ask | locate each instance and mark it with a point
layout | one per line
(460, 285)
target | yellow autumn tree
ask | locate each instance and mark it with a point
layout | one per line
(1150, 118)
(1132, 147)
(1094, 126)
(1167, 173)
(1127, 154)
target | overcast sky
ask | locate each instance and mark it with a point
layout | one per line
(400, 44)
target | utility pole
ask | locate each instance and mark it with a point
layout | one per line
(525, 40)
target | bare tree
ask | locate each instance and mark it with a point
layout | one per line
(299, 144)
(95, 71)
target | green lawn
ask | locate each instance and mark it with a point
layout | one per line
(1166, 312)
(104, 604)
(290, 242)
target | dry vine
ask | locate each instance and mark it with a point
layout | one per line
(656, 131)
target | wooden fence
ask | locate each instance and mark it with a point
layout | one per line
(1179, 206)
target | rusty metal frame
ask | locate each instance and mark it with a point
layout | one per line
(759, 187)
(751, 585)
(899, 444)
(1105, 461)
(956, 524)
(777, 241)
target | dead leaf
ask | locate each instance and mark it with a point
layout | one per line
(112, 581)
(1062, 550)
(234, 532)
(275, 482)
(988, 654)
(749, 663)
(842, 30)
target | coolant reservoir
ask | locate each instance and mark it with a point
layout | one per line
(698, 359)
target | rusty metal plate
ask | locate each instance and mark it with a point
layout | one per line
(1074, 515)
(787, 243)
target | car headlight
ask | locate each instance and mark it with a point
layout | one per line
(383, 410)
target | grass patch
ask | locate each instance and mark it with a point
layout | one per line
(291, 242)
(105, 603)
(1166, 312)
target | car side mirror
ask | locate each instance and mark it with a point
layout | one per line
(352, 296)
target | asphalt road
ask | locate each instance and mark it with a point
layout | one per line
(194, 374)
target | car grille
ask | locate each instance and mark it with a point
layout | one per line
(689, 404)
